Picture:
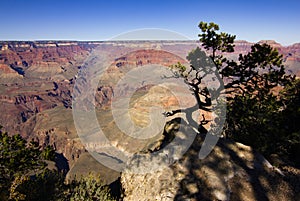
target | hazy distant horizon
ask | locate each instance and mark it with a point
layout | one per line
(134, 40)
(105, 40)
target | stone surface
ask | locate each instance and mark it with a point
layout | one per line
(232, 171)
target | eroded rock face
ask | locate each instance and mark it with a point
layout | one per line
(37, 79)
(37, 102)
(27, 54)
(232, 171)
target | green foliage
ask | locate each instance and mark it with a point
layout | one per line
(17, 158)
(24, 175)
(46, 185)
(17, 155)
(88, 189)
(289, 118)
(251, 121)
(213, 40)
(198, 59)
(257, 72)
(271, 125)
(256, 115)
(48, 153)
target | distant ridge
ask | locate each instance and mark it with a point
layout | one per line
(79, 42)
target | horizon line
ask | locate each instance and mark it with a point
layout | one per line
(136, 40)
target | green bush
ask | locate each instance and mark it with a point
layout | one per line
(88, 189)
(270, 124)
(18, 158)
(24, 175)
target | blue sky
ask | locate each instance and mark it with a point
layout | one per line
(100, 20)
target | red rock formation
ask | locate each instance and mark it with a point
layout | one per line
(149, 56)
(39, 57)
(23, 98)
(5, 69)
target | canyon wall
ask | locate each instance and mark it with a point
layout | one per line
(37, 80)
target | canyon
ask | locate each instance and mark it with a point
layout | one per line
(37, 80)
